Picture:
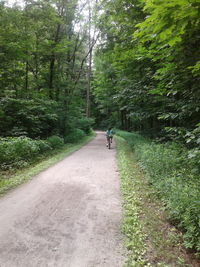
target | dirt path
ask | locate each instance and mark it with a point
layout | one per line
(68, 216)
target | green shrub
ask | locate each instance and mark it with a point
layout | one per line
(55, 141)
(85, 124)
(171, 172)
(35, 118)
(44, 146)
(74, 136)
(16, 152)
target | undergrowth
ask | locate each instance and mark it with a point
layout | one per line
(19, 152)
(171, 174)
(149, 238)
(131, 225)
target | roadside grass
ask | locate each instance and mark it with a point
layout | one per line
(149, 237)
(11, 179)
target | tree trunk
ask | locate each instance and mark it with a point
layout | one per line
(122, 119)
(26, 78)
(52, 63)
(51, 75)
(89, 68)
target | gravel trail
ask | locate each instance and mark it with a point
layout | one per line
(67, 216)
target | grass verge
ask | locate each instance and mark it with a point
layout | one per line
(149, 238)
(173, 175)
(21, 176)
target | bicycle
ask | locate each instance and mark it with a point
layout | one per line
(109, 136)
(109, 140)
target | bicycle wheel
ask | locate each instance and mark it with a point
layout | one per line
(109, 144)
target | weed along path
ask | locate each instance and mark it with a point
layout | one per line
(67, 216)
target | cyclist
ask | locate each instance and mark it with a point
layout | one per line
(109, 135)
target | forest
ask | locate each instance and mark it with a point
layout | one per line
(45, 54)
(67, 66)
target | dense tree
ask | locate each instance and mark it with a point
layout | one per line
(44, 52)
(147, 65)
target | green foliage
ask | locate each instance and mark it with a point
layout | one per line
(150, 239)
(85, 124)
(147, 66)
(33, 118)
(17, 152)
(132, 228)
(74, 136)
(44, 146)
(172, 174)
(55, 141)
(43, 66)
(174, 17)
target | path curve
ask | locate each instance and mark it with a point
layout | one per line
(67, 216)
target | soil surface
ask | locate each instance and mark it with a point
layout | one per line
(67, 216)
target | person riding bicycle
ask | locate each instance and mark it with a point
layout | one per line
(109, 135)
